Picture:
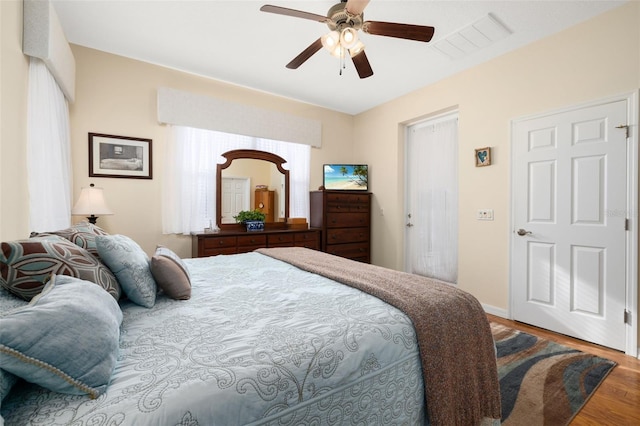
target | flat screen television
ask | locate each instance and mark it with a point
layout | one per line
(346, 177)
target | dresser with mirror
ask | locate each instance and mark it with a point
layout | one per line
(240, 183)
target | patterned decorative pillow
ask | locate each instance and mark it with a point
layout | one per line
(25, 265)
(130, 265)
(82, 234)
(171, 274)
(65, 340)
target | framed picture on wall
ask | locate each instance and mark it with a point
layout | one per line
(119, 157)
(483, 157)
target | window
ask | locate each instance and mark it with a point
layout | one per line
(190, 175)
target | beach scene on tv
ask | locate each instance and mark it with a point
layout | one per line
(346, 177)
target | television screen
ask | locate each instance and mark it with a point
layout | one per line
(346, 177)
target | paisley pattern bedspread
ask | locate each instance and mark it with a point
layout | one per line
(259, 342)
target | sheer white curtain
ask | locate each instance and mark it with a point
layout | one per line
(189, 186)
(298, 163)
(48, 151)
(433, 198)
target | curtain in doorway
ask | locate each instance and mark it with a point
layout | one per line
(433, 198)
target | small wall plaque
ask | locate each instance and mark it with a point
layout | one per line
(483, 157)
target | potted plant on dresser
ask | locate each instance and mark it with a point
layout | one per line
(253, 219)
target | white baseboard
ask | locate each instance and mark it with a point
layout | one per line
(499, 312)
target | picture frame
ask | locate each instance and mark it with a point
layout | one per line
(120, 157)
(483, 157)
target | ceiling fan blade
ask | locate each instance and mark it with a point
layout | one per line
(305, 54)
(362, 65)
(355, 7)
(292, 12)
(406, 31)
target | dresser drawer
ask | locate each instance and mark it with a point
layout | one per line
(280, 240)
(338, 220)
(252, 240)
(218, 250)
(219, 242)
(355, 251)
(347, 203)
(305, 236)
(307, 239)
(347, 235)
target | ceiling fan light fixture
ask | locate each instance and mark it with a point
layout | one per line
(357, 48)
(348, 37)
(330, 40)
(337, 51)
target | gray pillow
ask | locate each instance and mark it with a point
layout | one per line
(171, 274)
(65, 340)
(7, 380)
(8, 302)
(130, 264)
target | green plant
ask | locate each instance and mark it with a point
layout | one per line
(246, 215)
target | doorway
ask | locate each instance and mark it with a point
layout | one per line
(431, 164)
(574, 240)
(235, 197)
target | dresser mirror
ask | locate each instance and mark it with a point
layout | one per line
(236, 182)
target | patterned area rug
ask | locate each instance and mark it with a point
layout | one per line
(542, 382)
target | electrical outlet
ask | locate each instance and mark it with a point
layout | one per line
(485, 214)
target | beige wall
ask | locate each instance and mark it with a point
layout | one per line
(117, 96)
(596, 59)
(14, 67)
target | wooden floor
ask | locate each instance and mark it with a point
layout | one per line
(617, 400)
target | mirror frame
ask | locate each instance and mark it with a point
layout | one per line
(255, 155)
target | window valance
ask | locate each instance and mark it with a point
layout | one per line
(44, 39)
(205, 112)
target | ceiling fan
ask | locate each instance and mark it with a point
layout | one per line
(344, 20)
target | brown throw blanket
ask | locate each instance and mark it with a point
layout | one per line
(454, 336)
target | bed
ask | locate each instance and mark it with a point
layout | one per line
(270, 337)
(121, 163)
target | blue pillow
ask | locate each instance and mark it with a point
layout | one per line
(65, 340)
(8, 302)
(7, 380)
(130, 264)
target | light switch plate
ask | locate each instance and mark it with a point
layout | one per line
(485, 214)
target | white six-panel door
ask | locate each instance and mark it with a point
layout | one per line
(235, 197)
(569, 243)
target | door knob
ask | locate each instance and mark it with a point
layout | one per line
(523, 232)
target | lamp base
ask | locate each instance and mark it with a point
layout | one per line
(92, 219)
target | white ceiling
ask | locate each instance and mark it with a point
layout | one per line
(234, 42)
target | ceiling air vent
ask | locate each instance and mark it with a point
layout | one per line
(472, 38)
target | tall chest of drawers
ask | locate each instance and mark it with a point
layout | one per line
(345, 220)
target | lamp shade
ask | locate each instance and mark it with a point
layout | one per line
(91, 202)
(348, 38)
(330, 40)
(356, 49)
